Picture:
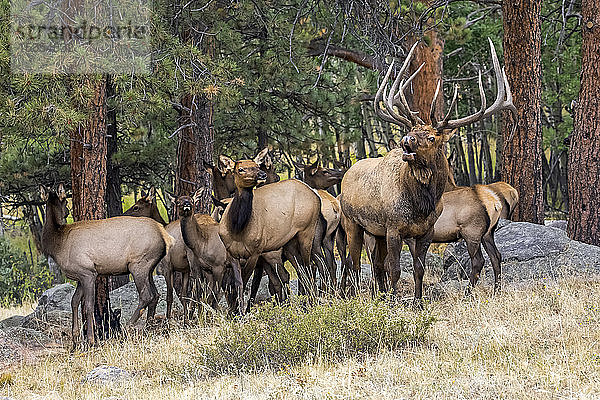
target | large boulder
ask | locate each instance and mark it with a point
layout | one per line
(529, 251)
(126, 298)
(53, 313)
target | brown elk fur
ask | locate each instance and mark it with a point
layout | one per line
(200, 233)
(321, 179)
(393, 198)
(283, 214)
(146, 207)
(508, 196)
(265, 162)
(223, 185)
(112, 246)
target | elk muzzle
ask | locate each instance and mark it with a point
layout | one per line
(261, 177)
(409, 146)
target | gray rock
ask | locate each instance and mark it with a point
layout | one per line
(15, 320)
(56, 298)
(529, 252)
(126, 298)
(557, 223)
(27, 337)
(106, 374)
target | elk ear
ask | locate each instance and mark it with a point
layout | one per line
(208, 166)
(151, 195)
(260, 157)
(449, 135)
(392, 144)
(43, 193)
(198, 194)
(218, 203)
(226, 164)
(62, 194)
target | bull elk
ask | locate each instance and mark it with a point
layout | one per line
(112, 246)
(398, 196)
(284, 215)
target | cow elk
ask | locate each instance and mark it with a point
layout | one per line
(284, 215)
(200, 233)
(112, 246)
(321, 179)
(398, 196)
(264, 160)
(146, 206)
(509, 197)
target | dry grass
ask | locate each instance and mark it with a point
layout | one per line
(24, 309)
(539, 342)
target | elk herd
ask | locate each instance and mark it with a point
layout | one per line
(406, 197)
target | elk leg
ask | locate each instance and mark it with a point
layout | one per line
(238, 286)
(89, 298)
(489, 244)
(258, 274)
(328, 242)
(142, 279)
(155, 296)
(379, 263)
(477, 261)
(185, 296)
(75, 326)
(342, 244)
(421, 245)
(355, 238)
(168, 274)
(275, 283)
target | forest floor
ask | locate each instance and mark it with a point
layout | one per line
(538, 341)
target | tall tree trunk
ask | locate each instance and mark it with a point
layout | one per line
(426, 81)
(584, 164)
(88, 177)
(113, 178)
(522, 162)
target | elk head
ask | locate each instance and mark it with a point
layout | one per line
(56, 204)
(320, 177)
(185, 206)
(247, 174)
(143, 207)
(423, 140)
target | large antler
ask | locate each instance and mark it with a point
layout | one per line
(503, 99)
(395, 96)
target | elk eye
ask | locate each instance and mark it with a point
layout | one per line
(135, 208)
(431, 139)
(240, 169)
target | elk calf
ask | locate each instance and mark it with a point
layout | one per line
(112, 246)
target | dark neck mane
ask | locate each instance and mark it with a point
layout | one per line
(240, 210)
(427, 186)
(191, 232)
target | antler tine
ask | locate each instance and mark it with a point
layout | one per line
(508, 103)
(432, 108)
(452, 104)
(390, 98)
(412, 114)
(404, 104)
(457, 123)
(388, 115)
(500, 84)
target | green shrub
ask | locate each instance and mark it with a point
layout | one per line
(277, 336)
(20, 280)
